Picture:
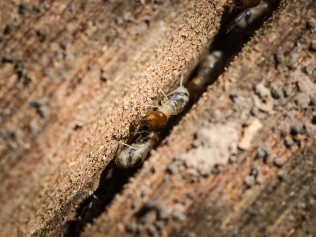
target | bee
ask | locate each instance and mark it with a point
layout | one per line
(244, 3)
(207, 71)
(172, 104)
(249, 17)
(135, 154)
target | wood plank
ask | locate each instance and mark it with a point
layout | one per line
(76, 77)
(258, 123)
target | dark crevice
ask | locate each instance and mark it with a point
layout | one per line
(113, 179)
(111, 183)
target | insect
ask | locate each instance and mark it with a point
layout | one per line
(249, 17)
(135, 154)
(172, 104)
(244, 3)
(207, 71)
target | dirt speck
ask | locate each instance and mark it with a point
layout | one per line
(249, 181)
(263, 153)
(279, 162)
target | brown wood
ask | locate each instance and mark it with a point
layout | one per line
(176, 192)
(76, 79)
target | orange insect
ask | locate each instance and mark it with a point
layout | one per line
(173, 104)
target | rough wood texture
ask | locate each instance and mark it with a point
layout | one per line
(258, 122)
(75, 76)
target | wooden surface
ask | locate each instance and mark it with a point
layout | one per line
(75, 80)
(265, 104)
(74, 77)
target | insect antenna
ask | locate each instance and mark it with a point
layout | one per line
(236, 21)
(181, 80)
(127, 145)
(164, 94)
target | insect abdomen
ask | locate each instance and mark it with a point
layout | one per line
(178, 101)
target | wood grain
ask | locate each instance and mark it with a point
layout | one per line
(267, 96)
(76, 77)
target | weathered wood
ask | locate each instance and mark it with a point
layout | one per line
(258, 122)
(75, 77)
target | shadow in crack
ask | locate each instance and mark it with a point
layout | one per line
(111, 183)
